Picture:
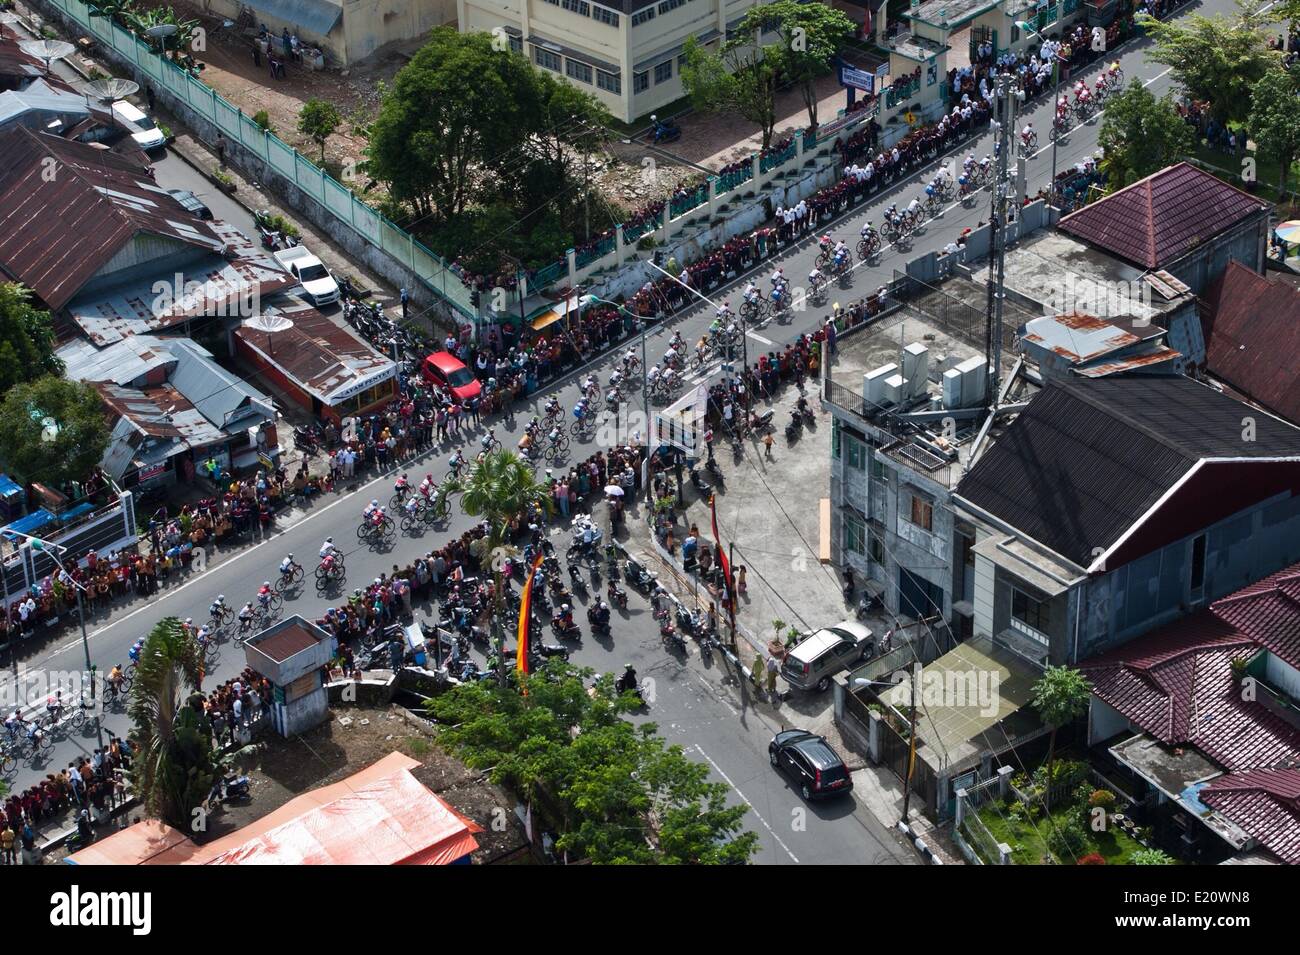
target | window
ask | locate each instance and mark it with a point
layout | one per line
(580, 7)
(1015, 34)
(922, 513)
(643, 16)
(855, 535)
(602, 15)
(668, 5)
(546, 58)
(610, 82)
(855, 454)
(640, 82)
(1033, 613)
(877, 469)
(877, 551)
(578, 70)
(516, 44)
(681, 63)
(664, 72)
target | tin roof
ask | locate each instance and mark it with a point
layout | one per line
(1079, 337)
(57, 231)
(215, 285)
(321, 356)
(121, 363)
(1264, 802)
(1249, 320)
(1157, 219)
(292, 638)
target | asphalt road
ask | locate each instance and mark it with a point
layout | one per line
(697, 705)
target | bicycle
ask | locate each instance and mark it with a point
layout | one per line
(752, 310)
(869, 245)
(436, 508)
(491, 444)
(335, 573)
(453, 474)
(8, 758)
(222, 617)
(817, 294)
(273, 604)
(294, 576)
(557, 449)
(1028, 143)
(369, 530)
(397, 500)
(37, 742)
(582, 425)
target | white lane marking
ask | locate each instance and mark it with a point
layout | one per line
(745, 800)
(759, 338)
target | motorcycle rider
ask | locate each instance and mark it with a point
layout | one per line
(628, 683)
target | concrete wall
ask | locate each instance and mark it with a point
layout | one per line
(1246, 244)
(369, 25)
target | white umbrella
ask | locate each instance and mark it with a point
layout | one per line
(614, 490)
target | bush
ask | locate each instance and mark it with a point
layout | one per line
(1103, 798)
(1068, 841)
(263, 118)
(1150, 857)
(1092, 858)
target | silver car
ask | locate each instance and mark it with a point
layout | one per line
(822, 654)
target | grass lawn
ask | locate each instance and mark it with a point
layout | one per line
(1026, 838)
(1228, 169)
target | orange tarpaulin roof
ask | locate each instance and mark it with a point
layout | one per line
(380, 816)
(141, 844)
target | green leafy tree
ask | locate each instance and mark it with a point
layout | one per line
(318, 121)
(742, 77)
(455, 109)
(625, 796)
(26, 339)
(1215, 59)
(1150, 857)
(499, 489)
(1275, 121)
(1141, 135)
(1059, 697)
(55, 430)
(175, 768)
(810, 36)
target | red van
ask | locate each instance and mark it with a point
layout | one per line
(447, 371)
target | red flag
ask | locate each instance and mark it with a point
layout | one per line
(722, 556)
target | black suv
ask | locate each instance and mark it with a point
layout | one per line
(810, 762)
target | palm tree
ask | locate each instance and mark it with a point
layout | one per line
(174, 770)
(499, 488)
(1060, 697)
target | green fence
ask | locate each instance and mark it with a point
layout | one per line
(341, 203)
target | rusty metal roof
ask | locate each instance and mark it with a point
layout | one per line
(1146, 360)
(1252, 337)
(66, 208)
(321, 356)
(1157, 219)
(1080, 337)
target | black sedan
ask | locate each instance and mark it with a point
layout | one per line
(810, 762)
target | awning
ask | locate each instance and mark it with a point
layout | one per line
(319, 16)
(29, 524)
(545, 320)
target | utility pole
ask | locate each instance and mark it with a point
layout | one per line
(997, 235)
(911, 744)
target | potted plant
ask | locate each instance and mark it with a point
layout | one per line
(225, 182)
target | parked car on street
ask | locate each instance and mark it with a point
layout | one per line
(810, 762)
(812, 662)
(445, 370)
(311, 273)
(142, 128)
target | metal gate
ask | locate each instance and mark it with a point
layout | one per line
(980, 35)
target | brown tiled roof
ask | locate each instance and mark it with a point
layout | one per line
(1154, 221)
(1264, 802)
(1252, 337)
(57, 231)
(1269, 611)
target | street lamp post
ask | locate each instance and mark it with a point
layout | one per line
(1056, 98)
(49, 547)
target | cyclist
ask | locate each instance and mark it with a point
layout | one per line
(456, 461)
(246, 615)
(288, 566)
(412, 506)
(1112, 71)
(54, 707)
(842, 254)
(14, 723)
(400, 487)
(815, 278)
(488, 439)
(611, 400)
(629, 360)
(652, 376)
(428, 486)
(370, 510)
(202, 637)
(328, 549)
(778, 279)
(868, 231)
(264, 594)
(914, 208)
(378, 516)
(218, 607)
(751, 291)
(136, 649)
(554, 409)
(115, 678)
(188, 626)
(670, 356)
(724, 313)
(824, 244)
(580, 408)
(968, 164)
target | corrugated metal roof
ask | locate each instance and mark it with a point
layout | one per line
(217, 393)
(1160, 355)
(1252, 337)
(319, 16)
(230, 285)
(57, 231)
(38, 97)
(1089, 458)
(1156, 220)
(121, 363)
(1079, 337)
(321, 356)
(1264, 802)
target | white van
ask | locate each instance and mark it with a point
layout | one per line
(143, 129)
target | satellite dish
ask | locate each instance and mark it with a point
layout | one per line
(47, 50)
(268, 323)
(162, 30)
(111, 89)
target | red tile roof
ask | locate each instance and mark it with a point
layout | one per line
(1154, 221)
(1268, 612)
(1249, 320)
(1264, 802)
